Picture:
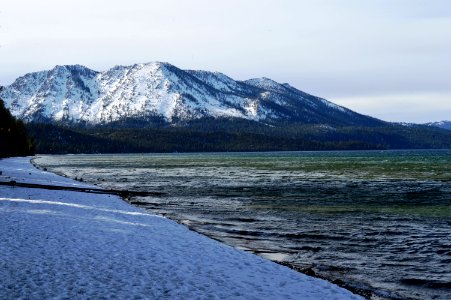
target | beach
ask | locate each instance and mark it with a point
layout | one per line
(70, 244)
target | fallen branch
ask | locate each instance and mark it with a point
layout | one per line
(121, 193)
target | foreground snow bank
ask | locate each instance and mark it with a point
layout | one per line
(62, 244)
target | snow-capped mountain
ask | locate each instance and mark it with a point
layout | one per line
(441, 124)
(73, 94)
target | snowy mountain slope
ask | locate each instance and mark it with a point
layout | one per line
(61, 93)
(74, 94)
(441, 124)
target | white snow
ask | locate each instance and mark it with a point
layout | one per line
(442, 124)
(62, 244)
(266, 83)
(334, 106)
(76, 93)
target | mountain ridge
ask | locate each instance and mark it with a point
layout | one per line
(157, 107)
(74, 94)
(440, 124)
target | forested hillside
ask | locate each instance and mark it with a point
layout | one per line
(14, 140)
(233, 135)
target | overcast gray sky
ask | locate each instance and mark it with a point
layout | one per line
(387, 58)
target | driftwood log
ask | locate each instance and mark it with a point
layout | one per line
(121, 193)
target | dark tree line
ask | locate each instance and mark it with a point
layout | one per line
(14, 140)
(231, 135)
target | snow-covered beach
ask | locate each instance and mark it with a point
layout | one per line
(66, 244)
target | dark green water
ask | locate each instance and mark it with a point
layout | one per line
(376, 221)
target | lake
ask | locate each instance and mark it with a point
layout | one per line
(375, 221)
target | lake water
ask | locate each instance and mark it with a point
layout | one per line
(377, 221)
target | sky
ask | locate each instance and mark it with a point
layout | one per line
(386, 58)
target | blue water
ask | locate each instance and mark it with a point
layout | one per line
(375, 221)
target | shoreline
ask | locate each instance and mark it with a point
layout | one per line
(197, 265)
(367, 294)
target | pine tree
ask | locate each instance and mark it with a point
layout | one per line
(14, 140)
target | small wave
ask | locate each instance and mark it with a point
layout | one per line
(244, 220)
(309, 236)
(241, 232)
(309, 248)
(432, 284)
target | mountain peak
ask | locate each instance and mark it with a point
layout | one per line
(265, 83)
(262, 82)
(160, 90)
(441, 124)
(76, 67)
(269, 84)
(154, 64)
